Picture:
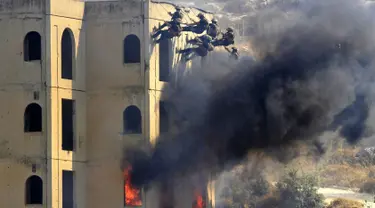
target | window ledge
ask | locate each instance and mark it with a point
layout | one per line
(33, 62)
(67, 79)
(132, 63)
(34, 205)
(33, 134)
(135, 139)
(132, 135)
(135, 66)
(69, 151)
(129, 133)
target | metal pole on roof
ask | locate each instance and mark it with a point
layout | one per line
(243, 28)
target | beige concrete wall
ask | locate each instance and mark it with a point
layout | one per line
(71, 9)
(23, 7)
(157, 15)
(62, 14)
(102, 87)
(18, 82)
(112, 86)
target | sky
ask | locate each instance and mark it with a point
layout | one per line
(230, 7)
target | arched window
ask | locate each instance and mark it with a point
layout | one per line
(32, 46)
(67, 54)
(132, 49)
(132, 120)
(33, 118)
(34, 190)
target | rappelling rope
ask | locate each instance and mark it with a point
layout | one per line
(187, 14)
(182, 10)
(174, 42)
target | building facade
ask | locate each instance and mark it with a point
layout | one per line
(81, 80)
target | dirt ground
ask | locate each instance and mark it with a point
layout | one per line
(331, 193)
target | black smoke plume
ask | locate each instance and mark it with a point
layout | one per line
(305, 82)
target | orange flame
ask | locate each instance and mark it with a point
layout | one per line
(198, 201)
(132, 195)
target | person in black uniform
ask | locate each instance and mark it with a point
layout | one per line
(233, 53)
(197, 27)
(177, 15)
(213, 29)
(174, 30)
(226, 40)
(204, 45)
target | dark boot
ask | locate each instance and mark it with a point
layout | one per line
(187, 28)
(157, 33)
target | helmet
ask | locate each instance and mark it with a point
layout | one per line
(200, 15)
(214, 21)
(230, 29)
(178, 20)
(178, 8)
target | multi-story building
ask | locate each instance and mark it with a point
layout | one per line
(79, 81)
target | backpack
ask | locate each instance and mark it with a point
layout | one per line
(175, 29)
(213, 30)
(203, 22)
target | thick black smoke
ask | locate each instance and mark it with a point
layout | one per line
(352, 119)
(305, 83)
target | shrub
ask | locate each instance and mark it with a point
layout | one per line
(299, 191)
(368, 187)
(245, 189)
(345, 203)
(343, 157)
(292, 192)
(268, 201)
(343, 176)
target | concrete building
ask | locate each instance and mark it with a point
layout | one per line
(79, 81)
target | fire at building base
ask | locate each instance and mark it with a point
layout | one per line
(133, 196)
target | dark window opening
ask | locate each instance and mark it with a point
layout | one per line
(132, 49)
(33, 118)
(166, 195)
(165, 62)
(164, 118)
(32, 47)
(67, 124)
(68, 189)
(132, 119)
(34, 190)
(67, 55)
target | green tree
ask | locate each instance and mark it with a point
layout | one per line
(245, 189)
(299, 191)
(249, 190)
